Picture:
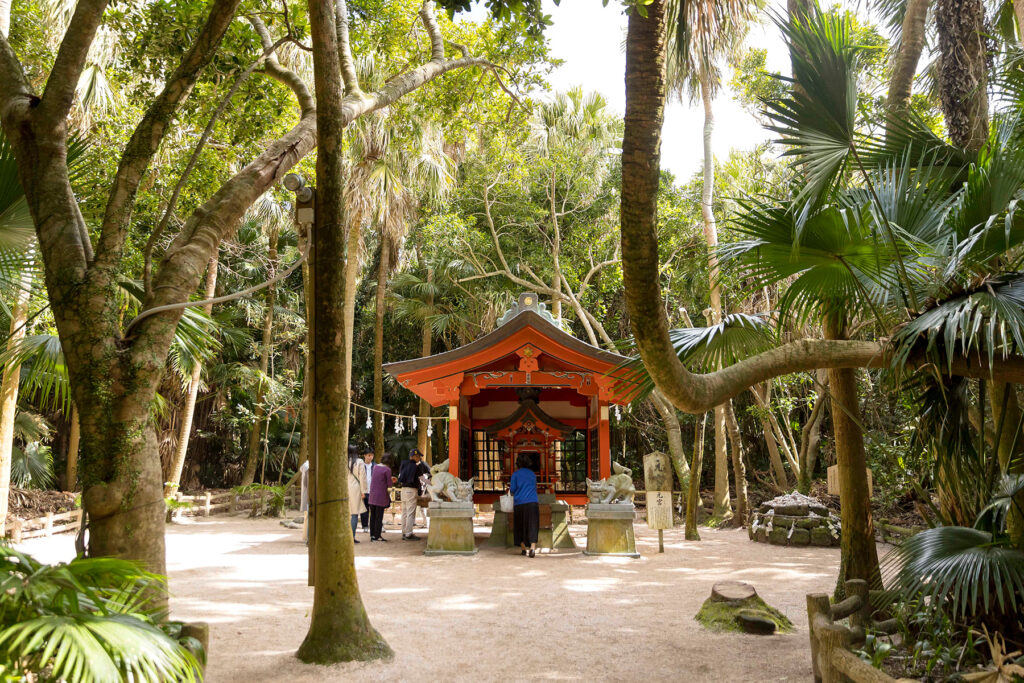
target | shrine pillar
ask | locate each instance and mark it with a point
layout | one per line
(454, 432)
(604, 441)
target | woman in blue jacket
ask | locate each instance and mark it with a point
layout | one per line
(526, 511)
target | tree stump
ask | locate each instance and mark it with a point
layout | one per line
(732, 591)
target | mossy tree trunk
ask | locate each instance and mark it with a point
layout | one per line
(859, 559)
(693, 501)
(739, 467)
(340, 629)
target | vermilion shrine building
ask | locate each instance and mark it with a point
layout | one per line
(527, 387)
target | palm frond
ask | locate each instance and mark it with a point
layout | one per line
(738, 336)
(959, 569)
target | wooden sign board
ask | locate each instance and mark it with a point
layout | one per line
(832, 475)
(657, 472)
(658, 483)
(659, 509)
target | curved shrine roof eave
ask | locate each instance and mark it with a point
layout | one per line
(606, 360)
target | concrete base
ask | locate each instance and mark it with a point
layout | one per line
(610, 530)
(556, 537)
(451, 529)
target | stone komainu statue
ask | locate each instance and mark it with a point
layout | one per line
(617, 488)
(444, 483)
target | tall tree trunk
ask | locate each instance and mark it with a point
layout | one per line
(810, 437)
(722, 507)
(963, 71)
(693, 501)
(1006, 410)
(266, 344)
(762, 394)
(378, 346)
(674, 434)
(556, 280)
(71, 473)
(188, 412)
(739, 467)
(904, 65)
(339, 629)
(9, 391)
(426, 338)
(859, 559)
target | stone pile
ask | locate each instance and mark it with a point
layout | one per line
(794, 519)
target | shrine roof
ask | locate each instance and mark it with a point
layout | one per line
(527, 323)
(529, 408)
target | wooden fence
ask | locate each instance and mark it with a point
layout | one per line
(203, 504)
(46, 525)
(831, 658)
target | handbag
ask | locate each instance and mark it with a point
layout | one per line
(505, 502)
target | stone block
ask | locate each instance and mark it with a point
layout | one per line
(761, 535)
(808, 522)
(783, 521)
(821, 536)
(778, 536)
(800, 537)
(611, 536)
(451, 531)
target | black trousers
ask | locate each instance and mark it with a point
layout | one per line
(526, 523)
(364, 517)
(376, 520)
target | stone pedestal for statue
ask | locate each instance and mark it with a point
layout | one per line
(451, 529)
(610, 530)
(555, 536)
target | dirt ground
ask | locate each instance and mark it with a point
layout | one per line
(495, 616)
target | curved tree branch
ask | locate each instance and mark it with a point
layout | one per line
(153, 127)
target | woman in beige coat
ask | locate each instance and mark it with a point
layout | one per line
(357, 487)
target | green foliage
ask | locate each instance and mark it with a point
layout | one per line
(90, 620)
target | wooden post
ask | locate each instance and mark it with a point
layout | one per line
(206, 504)
(453, 438)
(817, 604)
(16, 529)
(658, 494)
(48, 526)
(830, 638)
(78, 520)
(861, 619)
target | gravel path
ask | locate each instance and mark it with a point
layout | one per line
(495, 616)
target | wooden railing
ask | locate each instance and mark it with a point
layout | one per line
(45, 525)
(206, 503)
(203, 504)
(831, 658)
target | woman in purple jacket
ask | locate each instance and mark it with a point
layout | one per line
(380, 496)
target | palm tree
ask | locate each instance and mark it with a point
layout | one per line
(571, 125)
(393, 170)
(705, 33)
(272, 217)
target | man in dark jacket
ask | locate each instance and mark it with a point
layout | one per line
(409, 480)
